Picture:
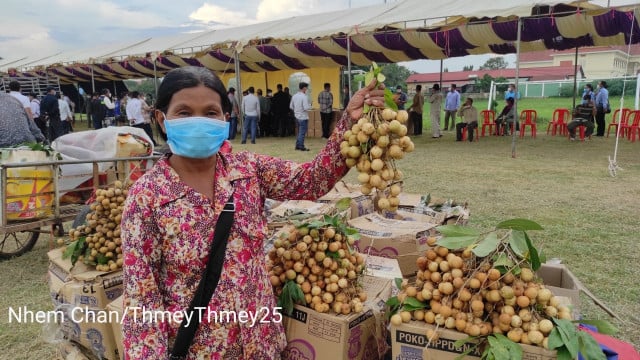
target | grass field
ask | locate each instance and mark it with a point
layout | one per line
(591, 220)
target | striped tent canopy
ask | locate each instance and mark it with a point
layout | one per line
(400, 31)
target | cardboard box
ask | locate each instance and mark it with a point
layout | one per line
(403, 240)
(91, 328)
(409, 341)
(117, 307)
(360, 204)
(300, 210)
(561, 282)
(414, 203)
(70, 351)
(81, 285)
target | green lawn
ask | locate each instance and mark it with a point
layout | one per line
(591, 220)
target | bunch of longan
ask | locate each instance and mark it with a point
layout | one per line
(372, 145)
(323, 264)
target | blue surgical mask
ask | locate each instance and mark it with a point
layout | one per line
(196, 137)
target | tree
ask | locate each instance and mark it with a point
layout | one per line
(467, 68)
(145, 86)
(495, 64)
(396, 75)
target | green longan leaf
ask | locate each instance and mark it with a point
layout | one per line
(519, 224)
(503, 260)
(534, 259)
(487, 245)
(374, 65)
(589, 347)
(343, 204)
(414, 303)
(388, 100)
(603, 326)
(555, 340)
(569, 335)
(563, 353)
(457, 242)
(457, 230)
(334, 255)
(368, 78)
(517, 243)
(469, 339)
(499, 349)
(398, 282)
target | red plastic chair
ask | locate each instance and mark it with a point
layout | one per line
(581, 130)
(616, 120)
(464, 134)
(530, 117)
(559, 122)
(489, 121)
(634, 128)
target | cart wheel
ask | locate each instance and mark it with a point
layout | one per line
(17, 243)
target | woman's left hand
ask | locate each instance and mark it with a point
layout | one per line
(372, 95)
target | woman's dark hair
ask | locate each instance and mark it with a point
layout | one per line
(188, 77)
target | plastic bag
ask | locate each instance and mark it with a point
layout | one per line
(106, 143)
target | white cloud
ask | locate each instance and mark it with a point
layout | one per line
(217, 15)
(109, 13)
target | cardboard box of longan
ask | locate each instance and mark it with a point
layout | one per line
(360, 204)
(90, 328)
(316, 336)
(404, 240)
(81, 285)
(117, 307)
(409, 341)
(71, 351)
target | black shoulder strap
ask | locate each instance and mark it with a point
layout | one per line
(208, 283)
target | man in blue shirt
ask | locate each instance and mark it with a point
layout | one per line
(451, 105)
(602, 104)
(512, 93)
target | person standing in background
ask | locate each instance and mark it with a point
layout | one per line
(301, 106)
(265, 120)
(400, 98)
(451, 105)
(325, 99)
(415, 111)
(512, 93)
(602, 104)
(66, 115)
(280, 109)
(251, 111)
(346, 96)
(435, 110)
(235, 110)
(50, 112)
(35, 111)
(14, 88)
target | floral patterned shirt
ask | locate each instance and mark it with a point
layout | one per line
(167, 228)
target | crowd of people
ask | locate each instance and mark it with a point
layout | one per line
(590, 112)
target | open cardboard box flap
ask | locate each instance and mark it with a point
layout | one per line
(564, 283)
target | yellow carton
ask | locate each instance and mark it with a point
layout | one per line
(29, 189)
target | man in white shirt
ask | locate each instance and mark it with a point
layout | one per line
(65, 115)
(251, 111)
(300, 106)
(14, 88)
(135, 114)
(35, 111)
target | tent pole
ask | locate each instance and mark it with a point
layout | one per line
(575, 79)
(637, 92)
(515, 98)
(440, 81)
(349, 65)
(155, 79)
(236, 63)
(93, 82)
(490, 95)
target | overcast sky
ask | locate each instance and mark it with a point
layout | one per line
(38, 28)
